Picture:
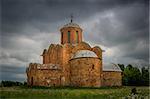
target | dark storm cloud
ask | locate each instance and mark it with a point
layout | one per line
(125, 28)
(29, 26)
(12, 73)
(12, 69)
(21, 15)
(138, 49)
(12, 76)
(123, 25)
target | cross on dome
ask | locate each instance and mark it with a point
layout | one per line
(71, 18)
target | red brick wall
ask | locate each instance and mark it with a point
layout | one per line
(112, 78)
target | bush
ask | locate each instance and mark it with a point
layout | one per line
(10, 83)
(132, 76)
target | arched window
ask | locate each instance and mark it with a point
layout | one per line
(93, 66)
(62, 37)
(68, 36)
(77, 37)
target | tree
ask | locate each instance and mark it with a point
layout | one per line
(132, 75)
(10, 83)
(25, 83)
(145, 76)
(121, 66)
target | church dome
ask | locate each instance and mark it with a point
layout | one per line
(111, 67)
(71, 33)
(71, 24)
(84, 53)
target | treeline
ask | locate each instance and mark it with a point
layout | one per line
(12, 83)
(133, 76)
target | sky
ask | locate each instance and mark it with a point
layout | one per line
(120, 27)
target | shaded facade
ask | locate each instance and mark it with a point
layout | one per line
(112, 75)
(71, 63)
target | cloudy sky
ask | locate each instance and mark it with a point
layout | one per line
(120, 27)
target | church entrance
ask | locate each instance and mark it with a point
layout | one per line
(31, 81)
(62, 80)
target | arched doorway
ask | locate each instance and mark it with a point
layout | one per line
(31, 81)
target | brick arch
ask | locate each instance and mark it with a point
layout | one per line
(98, 51)
(81, 46)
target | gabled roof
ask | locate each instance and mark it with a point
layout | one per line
(44, 52)
(111, 67)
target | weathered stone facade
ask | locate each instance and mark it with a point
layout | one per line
(112, 78)
(45, 75)
(71, 63)
(85, 72)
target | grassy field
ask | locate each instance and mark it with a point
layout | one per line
(71, 93)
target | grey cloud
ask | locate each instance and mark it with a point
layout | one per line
(12, 73)
(138, 49)
(12, 76)
(25, 49)
(125, 28)
(12, 69)
(20, 56)
(132, 25)
(40, 14)
(18, 50)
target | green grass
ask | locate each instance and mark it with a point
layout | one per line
(70, 92)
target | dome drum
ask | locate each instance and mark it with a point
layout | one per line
(71, 33)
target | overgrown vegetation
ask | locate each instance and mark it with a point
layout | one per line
(71, 93)
(12, 83)
(133, 76)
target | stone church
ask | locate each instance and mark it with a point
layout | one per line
(73, 63)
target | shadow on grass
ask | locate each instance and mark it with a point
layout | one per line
(69, 87)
